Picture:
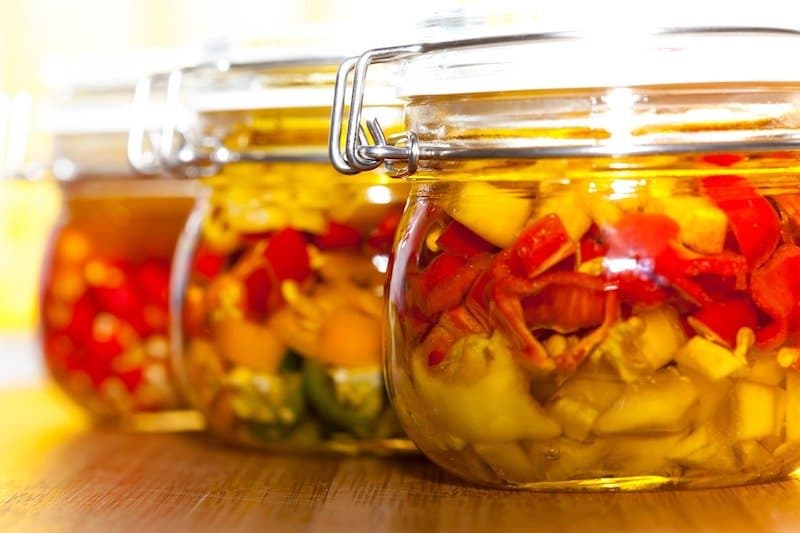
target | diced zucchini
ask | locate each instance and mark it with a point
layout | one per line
(708, 358)
(660, 403)
(643, 343)
(576, 418)
(752, 455)
(705, 448)
(483, 396)
(580, 401)
(565, 458)
(642, 456)
(495, 214)
(757, 411)
(764, 370)
(712, 397)
(508, 460)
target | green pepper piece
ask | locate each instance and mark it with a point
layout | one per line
(270, 404)
(348, 399)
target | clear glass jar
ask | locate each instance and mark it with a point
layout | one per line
(595, 285)
(280, 272)
(105, 287)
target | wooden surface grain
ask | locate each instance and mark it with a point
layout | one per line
(58, 474)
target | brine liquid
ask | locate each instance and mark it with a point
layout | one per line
(595, 324)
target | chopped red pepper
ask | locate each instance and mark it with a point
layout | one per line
(753, 221)
(207, 263)
(152, 277)
(382, 237)
(722, 160)
(287, 252)
(262, 292)
(447, 280)
(640, 235)
(567, 302)
(592, 245)
(775, 288)
(457, 239)
(725, 318)
(635, 288)
(338, 236)
(540, 246)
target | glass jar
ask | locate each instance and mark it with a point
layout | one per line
(105, 287)
(280, 271)
(595, 284)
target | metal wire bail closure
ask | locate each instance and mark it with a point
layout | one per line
(357, 154)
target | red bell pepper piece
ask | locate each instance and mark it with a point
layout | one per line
(753, 221)
(725, 318)
(287, 253)
(539, 246)
(338, 236)
(775, 288)
(207, 263)
(722, 160)
(592, 245)
(262, 292)
(641, 235)
(566, 302)
(382, 237)
(152, 279)
(447, 280)
(457, 239)
(635, 288)
(451, 326)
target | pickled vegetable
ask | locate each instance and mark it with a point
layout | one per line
(105, 301)
(560, 331)
(283, 291)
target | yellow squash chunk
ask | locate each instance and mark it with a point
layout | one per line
(703, 225)
(712, 395)
(710, 359)
(705, 448)
(495, 214)
(350, 339)
(752, 455)
(250, 345)
(792, 406)
(566, 459)
(486, 399)
(579, 402)
(570, 209)
(757, 411)
(660, 403)
(576, 418)
(764, 370)
(508, 460)
(644, 343)
(634, 456)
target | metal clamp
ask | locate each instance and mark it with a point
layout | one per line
(351, 152)
(169, 149)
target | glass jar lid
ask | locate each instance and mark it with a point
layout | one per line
(90, 108)
(612, 70)
(290, 81)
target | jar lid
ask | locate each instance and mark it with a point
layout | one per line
(568, 64)
(601, 58)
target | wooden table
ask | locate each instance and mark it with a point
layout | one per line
(58, 474)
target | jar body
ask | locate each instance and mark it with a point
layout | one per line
(598, 323)
(279, 284)
(104, 317)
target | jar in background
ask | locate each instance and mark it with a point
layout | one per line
(596, 283)
(105, 288)
(279, 278)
